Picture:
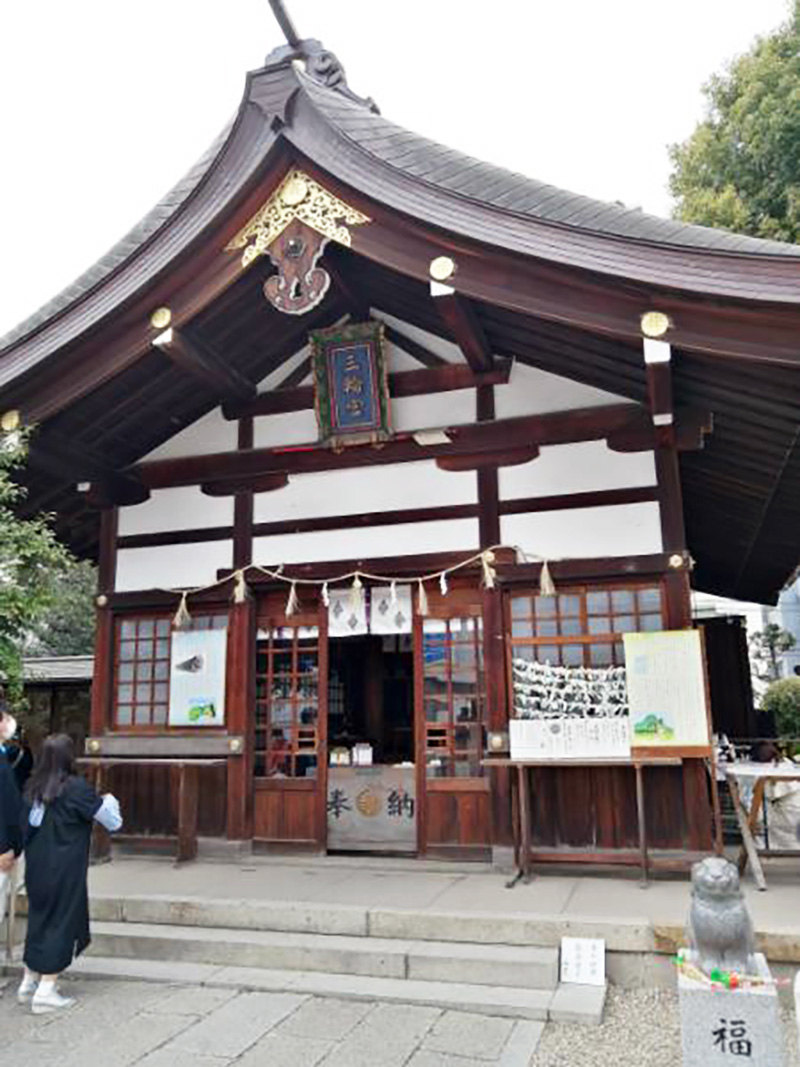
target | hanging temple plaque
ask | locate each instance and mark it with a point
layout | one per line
(351, 392)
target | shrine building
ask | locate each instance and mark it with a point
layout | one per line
(351, 421)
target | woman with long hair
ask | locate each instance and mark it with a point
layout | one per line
(62, 808)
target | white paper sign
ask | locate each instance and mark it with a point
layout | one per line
(197, 678)
(345, 620)
(583, 960)
(388, 615)
(570, 737)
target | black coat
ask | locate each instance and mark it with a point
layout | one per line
(10, 809)
(20, 758)
(56, 865)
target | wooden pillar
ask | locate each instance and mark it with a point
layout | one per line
(243, 506)
(240, 717)
(103, 674)
(493, 635)
(241, 665)
(658, 357)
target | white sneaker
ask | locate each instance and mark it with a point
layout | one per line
(25, 991)
(51, 1000)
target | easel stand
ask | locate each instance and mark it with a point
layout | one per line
(761, 774)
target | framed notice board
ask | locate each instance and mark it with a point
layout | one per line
(667, 693)
(197, 678)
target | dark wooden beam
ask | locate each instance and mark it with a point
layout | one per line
(295, 377)
(691, 425)
(571, 570)
(356, 304)
(489, 461)
(78, 463)
(668, 476)
(461, 320)
(440, 379)
(102, 682)
(525, 505)
(243, 505)
(584, 424)
(264, 483)
(116, 491)
(191, 354)
(413, 348)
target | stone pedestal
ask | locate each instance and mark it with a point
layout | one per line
(735, 1026)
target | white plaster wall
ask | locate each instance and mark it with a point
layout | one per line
(183, 508)
(211, 433)
(171, 566)
(405, 539)
(621, 530)
(530, 391)
(288, 428)
(433, 411)
(446, 349)
(407, 414)
(350, 492)
(398, 361)
(279, 374)
(577, 468)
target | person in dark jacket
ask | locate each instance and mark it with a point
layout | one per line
(62, 808)
(20, 757)
(10, 811)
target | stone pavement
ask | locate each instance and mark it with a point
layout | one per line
(137, 1024)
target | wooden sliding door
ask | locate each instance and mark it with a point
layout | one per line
(451, 718)
(290, 756)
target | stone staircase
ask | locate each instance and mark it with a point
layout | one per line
(472, 962)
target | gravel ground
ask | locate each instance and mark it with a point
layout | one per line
(640, 1027)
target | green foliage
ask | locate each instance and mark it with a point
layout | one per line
(740, 169)
(782, 699)
(67, 626)
(30, 559)
(766, 647)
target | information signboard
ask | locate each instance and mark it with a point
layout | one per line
(667, 692)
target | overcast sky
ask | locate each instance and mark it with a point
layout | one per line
(104, 105)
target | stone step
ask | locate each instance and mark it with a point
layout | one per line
(509, 928)
(575, 1004)
(509, 966)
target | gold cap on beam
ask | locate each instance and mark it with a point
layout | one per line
(654, 323)
(442, 268)
(161, 318)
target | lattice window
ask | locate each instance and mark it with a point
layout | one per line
(454, 697)
(582, 627)
(287, 702)
(141, 668)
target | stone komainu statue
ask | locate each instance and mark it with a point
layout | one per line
(720, 930)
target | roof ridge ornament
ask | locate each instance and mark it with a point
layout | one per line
(321, 65)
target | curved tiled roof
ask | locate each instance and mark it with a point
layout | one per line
(503, 206)
(445, 168)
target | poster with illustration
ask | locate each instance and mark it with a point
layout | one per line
(666, 689)
(197, 678)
